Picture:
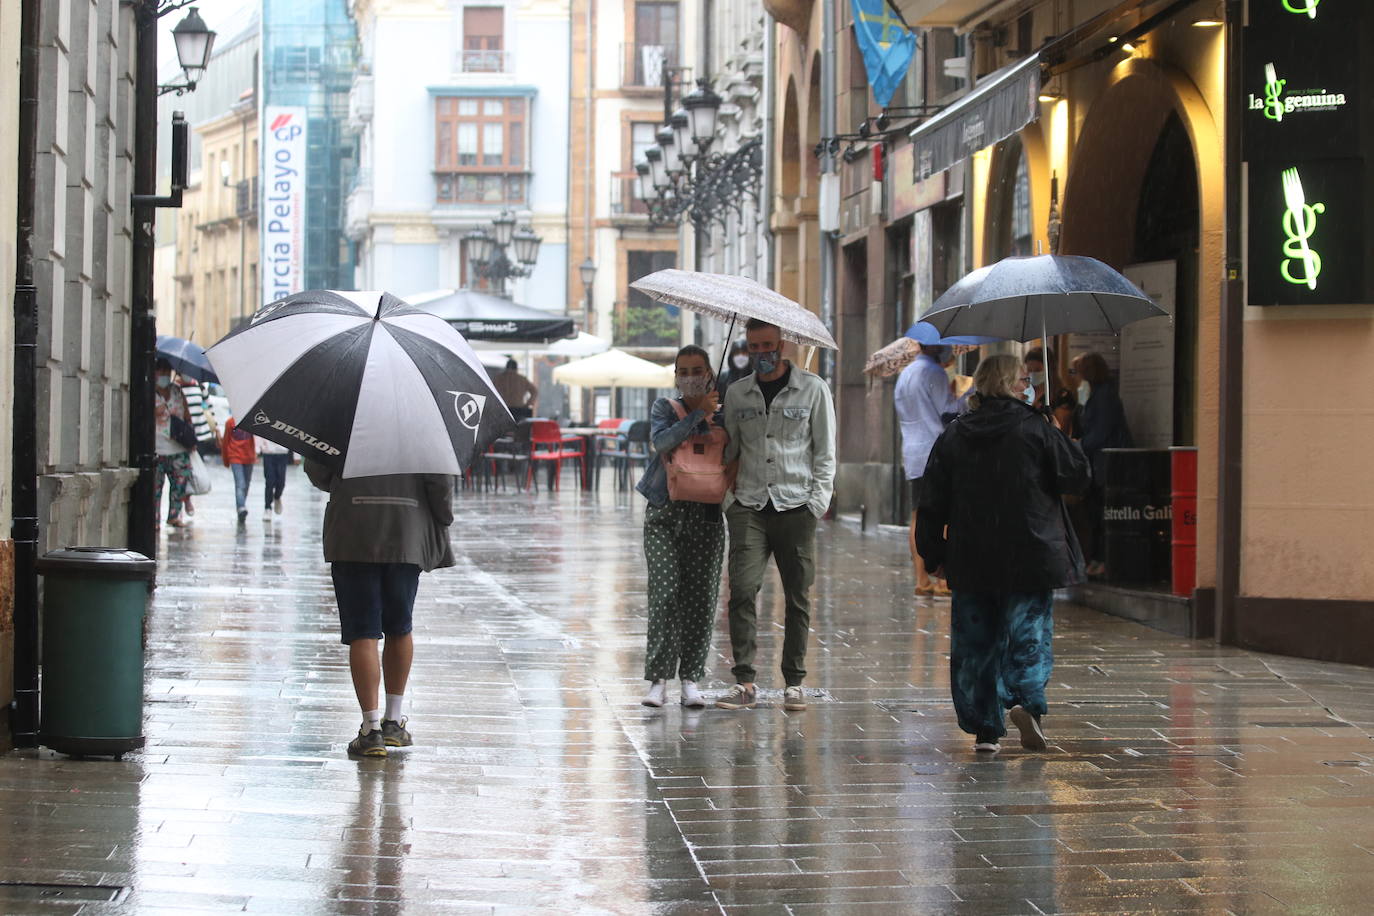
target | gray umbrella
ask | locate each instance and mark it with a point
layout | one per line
(1025, 298)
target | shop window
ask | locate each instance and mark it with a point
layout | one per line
(483, 39)
(1010, 229)
(480, 150)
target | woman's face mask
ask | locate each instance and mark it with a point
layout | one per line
(1038, 379)
(1085, 391)
(1029, 394)
(693, 386)
(740, 361)
(164, 379)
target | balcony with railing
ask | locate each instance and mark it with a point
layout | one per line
(484, 61)
(643, 65)
(626, 207)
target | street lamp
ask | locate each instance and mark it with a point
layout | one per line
(587, 270)
(672, 160)
(702, 106)
(194, 42)
(487, 255)
(526, 245)
(504, 226)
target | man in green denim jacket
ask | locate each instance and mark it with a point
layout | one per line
(781, 422)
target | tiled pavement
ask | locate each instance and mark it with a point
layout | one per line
(1182, 777)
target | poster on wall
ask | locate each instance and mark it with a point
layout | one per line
(1146, 377)
(282, 212)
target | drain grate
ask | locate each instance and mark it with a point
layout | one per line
(75, 893)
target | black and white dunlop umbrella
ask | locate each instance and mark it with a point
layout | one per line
(362, 382)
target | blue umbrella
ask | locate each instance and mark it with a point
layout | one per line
(186, 358)
(923, 332)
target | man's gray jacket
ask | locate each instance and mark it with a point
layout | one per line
(395, 518)
(786, 452)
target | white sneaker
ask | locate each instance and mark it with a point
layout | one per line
(691, 696)
(276, 505)
(794, 699)
(987, 747)
(654, 697)
(267, 515)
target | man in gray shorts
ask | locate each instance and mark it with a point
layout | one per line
(380, 533)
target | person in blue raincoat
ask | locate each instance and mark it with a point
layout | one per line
(992, 518)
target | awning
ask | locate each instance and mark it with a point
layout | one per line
(998, 107)
(482, 316)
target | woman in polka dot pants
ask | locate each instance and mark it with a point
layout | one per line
(684, 542)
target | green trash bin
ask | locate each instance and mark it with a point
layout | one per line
(94, 599)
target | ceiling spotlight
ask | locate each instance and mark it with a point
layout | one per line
(1050, 95)
(1128, 47)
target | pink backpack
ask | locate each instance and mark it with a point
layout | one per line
(696, 468)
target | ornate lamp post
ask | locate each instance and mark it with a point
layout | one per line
(680, 176)
(487, 251)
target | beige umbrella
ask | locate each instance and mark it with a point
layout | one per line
(614, 369)
(735, 299)
(892, 358)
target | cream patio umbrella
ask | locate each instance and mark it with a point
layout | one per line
(614, 369)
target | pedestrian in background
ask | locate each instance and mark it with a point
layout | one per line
(922, 397)
(684, 533)
(737, 366)
(380, 533)
(992, 518)
(1043, 371)
(781, 423)
(519, 393)
(275, 458)
(1101, 425)
(173, 441)
(202, 421)
(239, 452)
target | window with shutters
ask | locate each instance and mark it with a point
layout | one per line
(484, 39)
(480, 153)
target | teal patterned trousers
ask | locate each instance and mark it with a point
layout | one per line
(683, 546)
(1001, 655)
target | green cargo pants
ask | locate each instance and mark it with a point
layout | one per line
(684, 544)
(790, 538)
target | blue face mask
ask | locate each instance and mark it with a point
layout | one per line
(1029, 395)
(766, 362)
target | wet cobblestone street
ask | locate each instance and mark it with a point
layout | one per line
(1181, 777)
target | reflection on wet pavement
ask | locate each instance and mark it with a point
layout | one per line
(1182, 777)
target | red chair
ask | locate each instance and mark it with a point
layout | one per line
(547, 443)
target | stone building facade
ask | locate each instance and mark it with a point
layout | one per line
(9, 182)
(83, 250)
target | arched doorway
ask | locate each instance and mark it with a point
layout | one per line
(1132, 200)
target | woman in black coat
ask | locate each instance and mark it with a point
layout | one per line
(992, 517)
(1101, 425)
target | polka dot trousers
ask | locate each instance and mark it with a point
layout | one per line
(684, 544)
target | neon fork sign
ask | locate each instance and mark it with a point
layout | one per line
(1302, 6)
(1299, 222)
(1273, 93)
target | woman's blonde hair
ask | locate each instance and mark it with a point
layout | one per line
(994, 377)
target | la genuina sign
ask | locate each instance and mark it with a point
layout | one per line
(1309, 88)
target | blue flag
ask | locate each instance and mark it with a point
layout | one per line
(886, 44)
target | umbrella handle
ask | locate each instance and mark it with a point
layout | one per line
(806, 361)
(729, 339)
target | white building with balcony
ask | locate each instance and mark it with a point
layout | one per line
(461, 110)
